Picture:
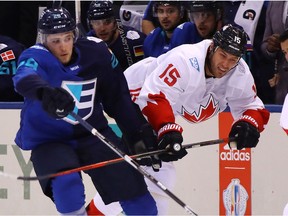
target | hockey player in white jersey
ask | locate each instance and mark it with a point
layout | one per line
(196, 82)
(284, 113)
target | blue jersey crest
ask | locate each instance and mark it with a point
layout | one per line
(83, 93)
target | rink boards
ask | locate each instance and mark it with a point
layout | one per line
(212, 180)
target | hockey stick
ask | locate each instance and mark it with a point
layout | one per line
(132, 162)
(79, 25)
(117, 160)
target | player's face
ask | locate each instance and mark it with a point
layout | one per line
(205, 23)
(61, 46)
(284, 48)
(105, 29)
(169, 17)
(222, 62)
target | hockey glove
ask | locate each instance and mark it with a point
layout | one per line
(148, 143)
(246, 134)
(170, 138)
(56, 101)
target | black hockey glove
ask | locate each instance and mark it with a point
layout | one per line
(145, 140)
(170, 138)
(56, 101)
(246, 134)
(147, 143)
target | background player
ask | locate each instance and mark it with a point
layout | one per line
(125, 42)
(169, 14)
(206, 19)
(10, 50)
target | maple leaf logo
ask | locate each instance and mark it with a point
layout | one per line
(205, 112)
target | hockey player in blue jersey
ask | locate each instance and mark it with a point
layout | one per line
(124, 41)
(206, 19)
(170, 14)
(63, 74)
(10, 50)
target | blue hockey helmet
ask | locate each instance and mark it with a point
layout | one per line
(56, 20)
(99, 10)
(231, 39)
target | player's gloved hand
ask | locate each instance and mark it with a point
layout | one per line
(246, 134)
(170, 138)
(56, 101)
(147, 143)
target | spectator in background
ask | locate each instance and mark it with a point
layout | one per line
(283, 39)
(170, 14)
(10, 50)
(251, 15)
(261, 69)
(276, 23)
(124, 41)
(206, 19)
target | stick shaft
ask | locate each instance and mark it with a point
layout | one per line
(118, 160)
(78, 11)
(79, 25)
(132, 162)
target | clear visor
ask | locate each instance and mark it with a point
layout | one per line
(42, 37)
(101, 22)
(200, 16)
(164, 10)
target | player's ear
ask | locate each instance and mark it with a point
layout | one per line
(211, 47)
